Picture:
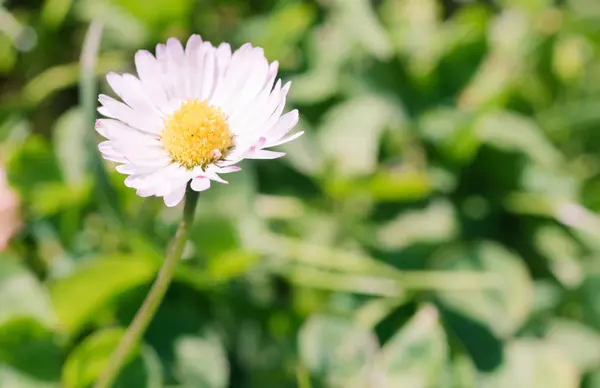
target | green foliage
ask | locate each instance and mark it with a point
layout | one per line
(436, 226)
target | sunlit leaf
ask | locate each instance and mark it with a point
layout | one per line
(579, 343)
(434, 224)
(416, 355)
(561, 251)
(504, 306)
(512, 132)
(533, 364)
(201, 362)
(31, 350)
(337, 350)
(351, 132)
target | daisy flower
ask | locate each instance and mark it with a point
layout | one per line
(192, 114)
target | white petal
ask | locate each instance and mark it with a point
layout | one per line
(132, 168)
(200, 184)
(263, 116)
(282, 127)
(276, 106)
(176, 67)
(223, 56)
(159, 181)
(235, 77)
(149, 72)
(286, 139)
(168, 75)
(143, 155)
(192, 66)
(264, 154)
(175, 197)
(151, 179)
(130, 89)
(226, 170)
(147, 192)
(141, 120)
(109, 153)
(209, 72)
(212, 174)
(258, 73)
(239, 122)
(117, 130)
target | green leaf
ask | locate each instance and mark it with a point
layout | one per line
(337, 350)
(54, 12)
(21, 295)
(52, 197)
(32, 166)
(77, 296)
(589, 291)
(142, 368)
(201, 362)
(400, 185)
(30, 350)
(416, 355)
(156, 12)
(504, 306)
(452, 131)
(214, 235)
(278, 32)
(532, 364)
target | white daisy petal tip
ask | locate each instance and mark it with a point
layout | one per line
(175, 197)
(200, 183)
(192, 112)
(112, 76)
(99, 128)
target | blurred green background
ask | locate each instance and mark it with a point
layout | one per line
(436, 226)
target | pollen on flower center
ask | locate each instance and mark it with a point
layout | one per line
(197, 134)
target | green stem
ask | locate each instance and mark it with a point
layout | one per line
(154, 298)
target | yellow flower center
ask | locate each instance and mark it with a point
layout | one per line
(197, 134)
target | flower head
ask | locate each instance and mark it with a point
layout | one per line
(10, 220)
(192, 114)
